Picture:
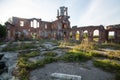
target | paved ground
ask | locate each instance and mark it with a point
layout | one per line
(86, 70)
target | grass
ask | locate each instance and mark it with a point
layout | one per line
(31, 54)
(86, 46)
(64, 44)
(80, 52)
(22, 46)
(50, 54)
(24, 66)
(77, 56)
(113, 54)
(110, 45)
(110, 66)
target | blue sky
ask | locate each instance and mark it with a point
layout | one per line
(81, 12)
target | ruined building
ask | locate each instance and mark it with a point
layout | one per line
(60, 29)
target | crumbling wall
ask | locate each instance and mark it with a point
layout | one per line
(59, 29)
(116, 33)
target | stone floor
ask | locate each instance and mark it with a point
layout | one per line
(86, 70)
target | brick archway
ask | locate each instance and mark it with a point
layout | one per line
(90, 30)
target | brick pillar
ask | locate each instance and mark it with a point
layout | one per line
(89, 36)
(68, 35)
(115, 35)
(106, 35)
(73, 35)
(80, 36)
(102, 35)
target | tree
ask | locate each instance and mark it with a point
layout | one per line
(3, 31)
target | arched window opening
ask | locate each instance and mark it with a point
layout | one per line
(77, 35)
(21, 23)
(45, 26)
(85, 35)
(111, 35)
(96, 35)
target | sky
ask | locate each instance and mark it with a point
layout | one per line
(81, 12)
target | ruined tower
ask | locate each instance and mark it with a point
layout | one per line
(62, 13)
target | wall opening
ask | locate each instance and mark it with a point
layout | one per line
(34, 23)
(85, 35)
(64, 26)
(96, 35)
(31, 23)
(111, 35)
(21, 23)
(71, 35)
(77, 35)
(45, 26)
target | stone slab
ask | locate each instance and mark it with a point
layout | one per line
(61, 76)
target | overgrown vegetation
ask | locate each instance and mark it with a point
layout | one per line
(113, 54)
(109, 65)
(24, 66)
(64, 44)
(50, 54)
(78, 53)
(31, 54)
(77, 56)
(86, 46)
(20, 46)
(110, 45)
